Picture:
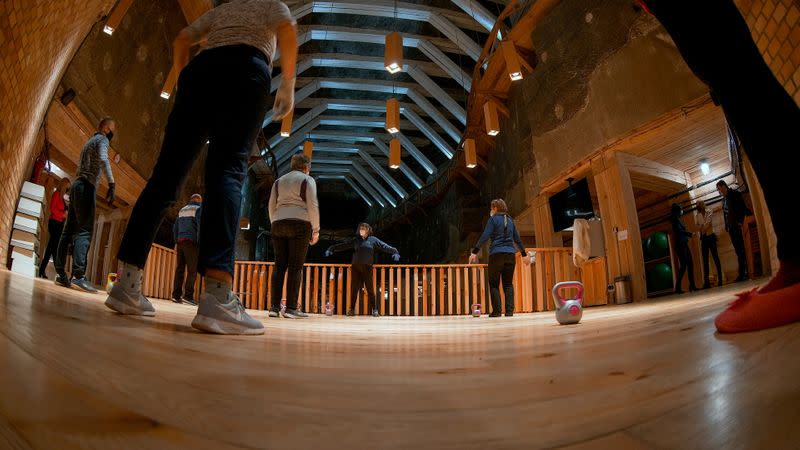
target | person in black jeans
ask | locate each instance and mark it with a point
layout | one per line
(55, 225)
(79, 225)
(222, 97)
(716, 44)
(735, 210)
(708, 242)
(502, 262)
(682, 236)
(294, 214)
(186, 231)
(364, 246)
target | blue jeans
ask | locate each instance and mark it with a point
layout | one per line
(223, 96)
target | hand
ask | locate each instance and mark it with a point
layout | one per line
(328, 253)
(396, 257)
(473, 258)
(526, 260)
(111, 195)
(284, 100)
(314, 238)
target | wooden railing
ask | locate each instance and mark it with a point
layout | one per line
(401, 290)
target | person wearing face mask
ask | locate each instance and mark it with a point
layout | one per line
(364, 246)
(682, 236)
(294, 215)
(80, 218)
(504, 237)
(222, 98)
(58, 213)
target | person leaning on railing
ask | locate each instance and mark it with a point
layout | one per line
(504, 236)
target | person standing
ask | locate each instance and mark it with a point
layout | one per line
(185, 232)
(55, 225)
(79, 224)
(294, 215)
(502, 232)
(682, 236)
(221, 96)
(763, 117)
(708, 242)
(364, 246)
(735, 210)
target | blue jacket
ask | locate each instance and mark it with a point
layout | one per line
(364, 248)
(501, 230)
(187, 225)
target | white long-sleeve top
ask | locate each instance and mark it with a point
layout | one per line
(294, 196)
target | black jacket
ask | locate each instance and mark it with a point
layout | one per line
(734, 209)
(364, 248)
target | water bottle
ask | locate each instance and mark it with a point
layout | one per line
(328, 309)
(476, 310)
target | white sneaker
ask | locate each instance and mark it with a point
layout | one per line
(126, 301)
(224, 318)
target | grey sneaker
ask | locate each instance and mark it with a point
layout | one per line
(294, 314)
(224, 318)
(124, 301)
(274, 312)
(83, 284)
(62, 280)
(189, 301)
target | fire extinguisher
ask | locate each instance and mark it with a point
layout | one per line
(42, 161)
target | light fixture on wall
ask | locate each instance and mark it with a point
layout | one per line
(308, 148)
(511, 57)
(470, 154)
(169, 84)
(116, 16)
(392, 115)
(394, 154)
(705, 167)
(286, 124)
(244, 223)
(491, 119)
(393, 53)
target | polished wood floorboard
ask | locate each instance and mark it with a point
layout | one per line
(650, 375)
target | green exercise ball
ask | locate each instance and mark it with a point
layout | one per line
(659, 278)
(657, 245)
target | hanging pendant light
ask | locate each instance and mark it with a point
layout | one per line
(393, 52)
(286, 124)
(308, 148)
(511, 57)
(169, 84)
(491, 119)
(392, 115)
(394, 154)
(470, 154)
(116, 16)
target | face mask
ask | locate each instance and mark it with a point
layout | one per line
(491, 213)
(66, 198)
(363, 233)
(110, 135)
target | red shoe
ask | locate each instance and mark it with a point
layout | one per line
(754, 310)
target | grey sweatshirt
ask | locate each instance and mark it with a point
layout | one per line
(294, 196)
(94, 158)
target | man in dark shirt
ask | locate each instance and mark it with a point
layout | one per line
(735, 210)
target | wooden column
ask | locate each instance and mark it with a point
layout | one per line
(620, 222)
(543, 223)
(766, 233)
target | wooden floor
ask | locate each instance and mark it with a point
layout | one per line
(652, 375)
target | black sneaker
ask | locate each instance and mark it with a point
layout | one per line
(189, 301)
(42, 276)
(294, 314)
(510, 314)
(494, 315)
(274, 312)
(375, 313)
(62, 280)
(83, 284)
(350, 313)
(176, 300)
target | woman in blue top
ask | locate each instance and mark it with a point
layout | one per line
(502, 262)
(364, 245)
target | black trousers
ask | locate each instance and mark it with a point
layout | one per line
(717, 45)
(708, 244)
(501, 267)
(737, 239)
(186, 265)
(78, 228)
(222, 97)
(362, 277)
(290, 239)
(54, 229)
(684, 263)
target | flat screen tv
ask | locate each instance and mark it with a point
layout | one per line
(574, 202)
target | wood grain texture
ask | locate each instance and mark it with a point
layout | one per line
(645, 375)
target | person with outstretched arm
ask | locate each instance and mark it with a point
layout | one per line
(364, 246)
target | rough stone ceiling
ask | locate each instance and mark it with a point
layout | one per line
(342, 89)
